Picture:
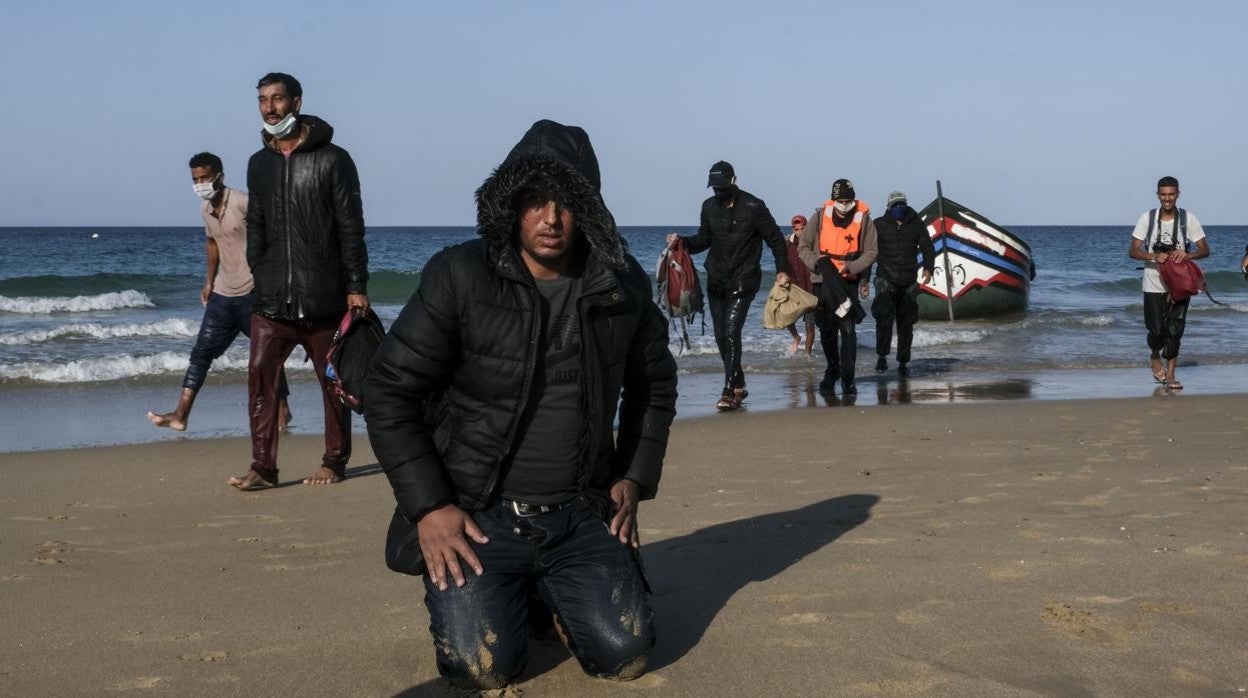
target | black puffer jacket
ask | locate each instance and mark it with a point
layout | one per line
(452, 377)
(735, 237)
(899, 245)
(305, 227)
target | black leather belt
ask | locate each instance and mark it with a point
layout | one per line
(526, 509)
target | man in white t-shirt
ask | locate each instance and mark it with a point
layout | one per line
(1162, 235)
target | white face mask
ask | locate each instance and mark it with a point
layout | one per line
(206, 190)
(282, 128)
(845, 207)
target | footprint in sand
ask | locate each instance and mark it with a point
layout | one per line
(1007, 572)
(1170, 609)
(1082, 624)
(238, 520)
(142, 682)
(14, 578)
(247, 540)
(217, 656)
(1187, 677)
(50, 517)
(48, 561)
(1202, 550)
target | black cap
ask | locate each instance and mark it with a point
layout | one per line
(843, 189)
(721, 174)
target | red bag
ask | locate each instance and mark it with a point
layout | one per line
(1182, 279)
(798, 273)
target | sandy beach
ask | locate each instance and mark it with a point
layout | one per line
(1036, 547)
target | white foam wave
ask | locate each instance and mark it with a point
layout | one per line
(1097, 321)
(38, 305)
(166, 328)
(933, 338)
(1204, 307)
(121, 367)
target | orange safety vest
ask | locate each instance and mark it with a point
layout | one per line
(842, 244)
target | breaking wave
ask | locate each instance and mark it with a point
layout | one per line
(123, 367)
(94, 330)
(36, 305)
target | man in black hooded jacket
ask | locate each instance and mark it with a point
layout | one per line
(901, 236)
(490, 406)
(305, 246)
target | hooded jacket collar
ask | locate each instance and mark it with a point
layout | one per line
(554, 154)
(314, 132)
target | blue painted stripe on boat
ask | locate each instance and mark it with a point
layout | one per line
(980, 255)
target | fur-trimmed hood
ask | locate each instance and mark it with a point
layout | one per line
(561, 154)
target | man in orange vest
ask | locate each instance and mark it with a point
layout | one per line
(842, 232)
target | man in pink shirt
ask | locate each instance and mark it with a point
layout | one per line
(226, 295)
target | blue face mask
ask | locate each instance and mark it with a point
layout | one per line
(897, 211)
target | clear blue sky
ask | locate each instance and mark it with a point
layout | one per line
(1053, 112)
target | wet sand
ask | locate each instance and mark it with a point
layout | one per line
(1095, 547)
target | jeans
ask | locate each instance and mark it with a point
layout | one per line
(898, 304)
(591, 581)
(728, 310)
(224, 318)
(271, 343)
(1165, 323)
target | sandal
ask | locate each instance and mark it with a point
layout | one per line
(727, 403)
(740, 394)
(1159, 373)
(1173, 384)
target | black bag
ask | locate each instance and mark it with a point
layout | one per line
(403, 552)
(349, 356)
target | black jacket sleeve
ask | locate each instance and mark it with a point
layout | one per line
(648, 402)
(926, 247)
(765, 223)
(348, 209)
(415, 362)
(701, 240)
(256, 242)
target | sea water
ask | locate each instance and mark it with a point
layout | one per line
(100, 308)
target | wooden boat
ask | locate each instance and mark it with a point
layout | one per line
(982, 269)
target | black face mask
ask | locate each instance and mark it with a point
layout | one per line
(725, 194)
(898, 211)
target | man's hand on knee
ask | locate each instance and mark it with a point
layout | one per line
(624, 496)
(444, 535)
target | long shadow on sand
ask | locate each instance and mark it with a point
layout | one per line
(694, 575)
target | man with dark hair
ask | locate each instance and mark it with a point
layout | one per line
(226, 294)
(901, 237)
(305, 246)
(841, 233)
(491, 405)
(1163, 235)
(734, 225)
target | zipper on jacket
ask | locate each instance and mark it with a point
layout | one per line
(534, 338)
(286, 226)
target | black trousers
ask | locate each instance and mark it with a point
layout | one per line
(1165, 322)
(894, 304)
(728, 311)
(839, 338)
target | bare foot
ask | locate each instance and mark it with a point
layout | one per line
(322, 476)
(251, 480)
(793, 347)
(1159, 370)
(172, 420)
(284, 417)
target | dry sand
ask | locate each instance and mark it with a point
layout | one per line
(1030, 548)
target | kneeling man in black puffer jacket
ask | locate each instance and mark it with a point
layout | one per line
(491, 404)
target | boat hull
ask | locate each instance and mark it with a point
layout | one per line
(986, 269)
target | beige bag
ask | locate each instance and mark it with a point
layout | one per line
(785, 305)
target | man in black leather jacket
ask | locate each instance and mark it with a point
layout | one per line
(305, 246)
(490, 406)
(734, 225)
(901, 237)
